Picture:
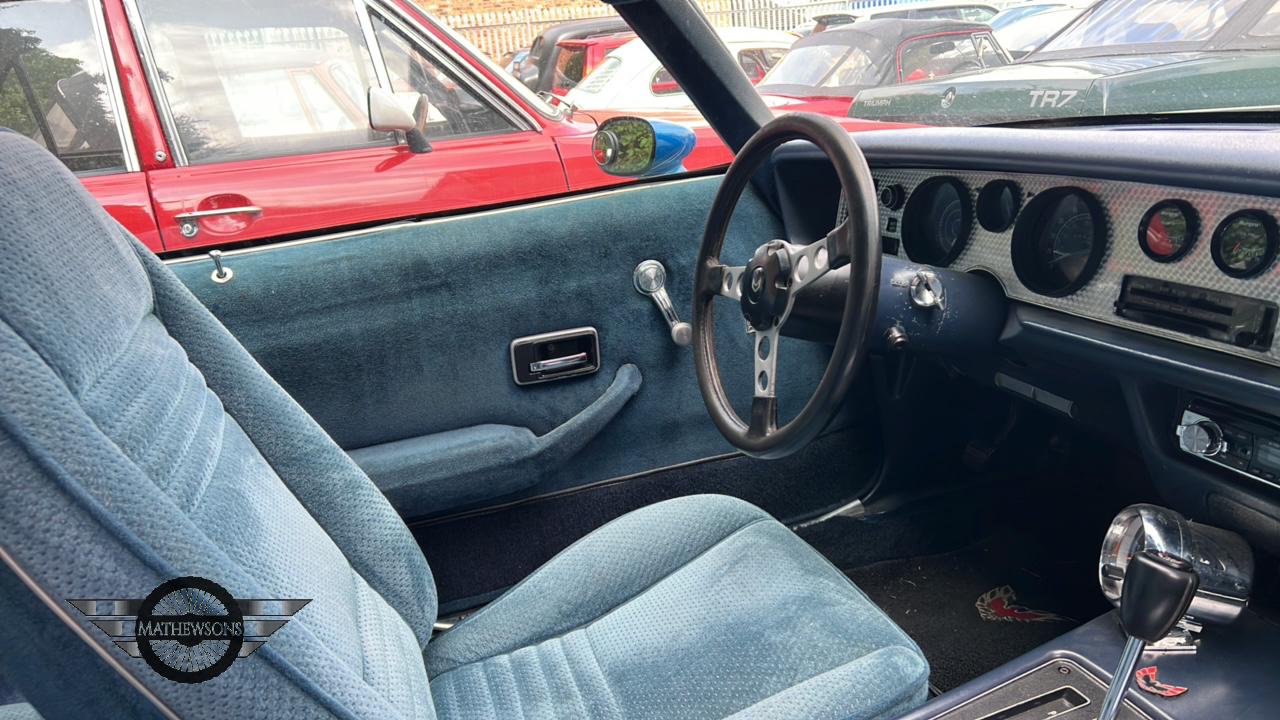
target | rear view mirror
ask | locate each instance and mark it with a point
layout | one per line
(388, 114)
(636, 147)
(943, 47)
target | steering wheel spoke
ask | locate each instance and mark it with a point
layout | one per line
(729, 281)
(837, 243)
(809, 263)
(764, 417)
(766, 363)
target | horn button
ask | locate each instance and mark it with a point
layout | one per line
(766, 285)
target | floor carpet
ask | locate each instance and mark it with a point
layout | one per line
(1027, 597)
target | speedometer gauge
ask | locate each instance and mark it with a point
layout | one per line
(1245, 243)
(1168, 231)
(1059, 241)
(937, 221)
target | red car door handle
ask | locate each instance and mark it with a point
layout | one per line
(197, 214)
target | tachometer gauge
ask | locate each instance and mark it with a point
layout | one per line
(1059, 241)
(1244, 244)
(1168, 230)
(937, 221)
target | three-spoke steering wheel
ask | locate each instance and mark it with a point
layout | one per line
(766, 289)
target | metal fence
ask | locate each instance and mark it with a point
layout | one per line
(502, 32)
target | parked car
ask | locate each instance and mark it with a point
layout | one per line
(1026, 26)
(926, 10)
(576, 59)
(1120, 57)
(823, 72)
(632, 78)
(537, 70)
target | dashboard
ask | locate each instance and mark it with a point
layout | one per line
(1194, 266)
(1140, 279)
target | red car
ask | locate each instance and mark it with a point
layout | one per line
(198, 126)
(577, 58)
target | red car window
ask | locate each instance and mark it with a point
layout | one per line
(451, 109)
(262, 79)
(53, 83)
(570, 66)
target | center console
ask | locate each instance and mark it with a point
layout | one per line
(1160, 569)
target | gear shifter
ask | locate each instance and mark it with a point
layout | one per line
(1158, 589)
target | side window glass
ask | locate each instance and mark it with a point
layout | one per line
(756, 62)
(570, 64)
(664, 83)
(451, 110)
(54, 83)
(935, 57)
(255, 80)
(987, 51)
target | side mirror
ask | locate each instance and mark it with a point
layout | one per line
(387, 114)
(528, 73)
(636, 147)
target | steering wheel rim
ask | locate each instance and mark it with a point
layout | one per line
(759, 289)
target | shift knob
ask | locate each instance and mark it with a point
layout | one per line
(1158, 589)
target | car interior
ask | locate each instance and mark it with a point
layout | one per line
(947, 423)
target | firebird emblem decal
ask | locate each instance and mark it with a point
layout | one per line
(1148, 682)
(997, 606)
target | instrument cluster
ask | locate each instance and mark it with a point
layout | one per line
(1078, 245)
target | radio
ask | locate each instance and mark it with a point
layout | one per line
(1246, 442)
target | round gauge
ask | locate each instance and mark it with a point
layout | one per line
(1245, 243)
(1168, 230)
(1059, 241)
(998, 205)
(936, 221)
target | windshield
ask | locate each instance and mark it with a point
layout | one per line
(874, 63)
(822, 66)
(1132, 22)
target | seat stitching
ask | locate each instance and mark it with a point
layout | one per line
(619, 606)
(216, 454)
(579, 696)
(614, 705)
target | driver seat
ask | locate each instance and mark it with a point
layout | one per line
(140, 442)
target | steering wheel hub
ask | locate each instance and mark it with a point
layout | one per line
(767, 280)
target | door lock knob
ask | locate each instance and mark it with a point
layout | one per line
(650, 278)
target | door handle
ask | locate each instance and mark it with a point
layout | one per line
(555, 355)
(560, 363)
(188, 222)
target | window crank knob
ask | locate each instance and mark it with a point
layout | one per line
(650, 278)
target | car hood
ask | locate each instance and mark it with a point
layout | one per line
(1030, 90)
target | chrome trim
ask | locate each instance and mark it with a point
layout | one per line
(414, 29)
(1121, 679)
(371, 41)
(560, 363)
(433, 221)
(60, 612)
(158, 95)
(116, 95)
(243, 209)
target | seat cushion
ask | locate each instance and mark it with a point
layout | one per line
(700, 607)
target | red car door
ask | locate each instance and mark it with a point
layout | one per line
(265, 109)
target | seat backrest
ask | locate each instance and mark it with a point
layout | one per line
(140, 442)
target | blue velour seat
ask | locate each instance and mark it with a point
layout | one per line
(140, 442)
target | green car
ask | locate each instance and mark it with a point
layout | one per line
(1120, 57)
